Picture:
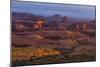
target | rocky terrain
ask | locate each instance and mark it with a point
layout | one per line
(59, 40)
(41, 47)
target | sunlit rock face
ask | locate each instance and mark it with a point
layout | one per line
(38, 24)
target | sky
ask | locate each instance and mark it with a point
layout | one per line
(50, 9)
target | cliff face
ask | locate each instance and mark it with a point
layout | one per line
(57, 21)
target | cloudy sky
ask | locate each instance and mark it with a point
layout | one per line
(47, 9)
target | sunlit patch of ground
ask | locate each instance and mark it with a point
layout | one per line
(27, 56)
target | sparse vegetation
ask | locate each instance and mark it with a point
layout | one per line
(52, 42)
